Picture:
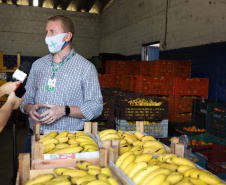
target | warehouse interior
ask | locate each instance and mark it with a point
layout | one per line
(179, 30)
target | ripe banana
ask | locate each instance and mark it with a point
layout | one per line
(161, 151)
(60, 170)
(62, 182)
(153, 144)
(98, 182)
(183, 168)
(171, 167)
(139, 176)
(89, 166)
(75, 149)
(82, 164)
(70, 135)
(88, 143)
(62, 134)
(86, 178)
(71, 141)
(45, 138)
(135, 168)
(157, 180)
(124, 149)
(143, 158)
(138, 135)
(188, 172)
(182, 161)
(62, 139)
(93, 171)
(174, 178)
(153, 162)
(51, 134)
(75, 173)
(91, 150)
(167, 156)
(48, 147)
(149, 150)
(149, 176)
(40, 179)
(209, 178)
(112, 181)
(51, 140)
(129, 167)
(106, 171)
(120, 131)
(123, 141)
(138, 151)
(107, 132)
(61, 177)
(127, 161)
(101, 177)
(129, 138)
(197, 181)
(147, 138)
(122, 157)
(62, 145)
(166, 183)
(110, 136)
(87, 146)
(137, 143)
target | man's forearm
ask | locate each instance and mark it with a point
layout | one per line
(27, 107)
(5, 113)
(76, 112)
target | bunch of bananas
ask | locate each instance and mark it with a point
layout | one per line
(143, 102)
(87, 174)
(66, 142)
(165, 170)
(136, 142)
(145, 122)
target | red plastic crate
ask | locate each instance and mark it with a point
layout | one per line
(191, 86)
(215, 156)
(184, 103)
(164, 68)
(106, 81)
(182, 69)
(152, 85)
(110, 67)
(147, 68)
(179, 117)
(125, 84)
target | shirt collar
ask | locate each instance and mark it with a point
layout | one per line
(50, 56)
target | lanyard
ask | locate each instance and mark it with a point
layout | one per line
(55, 70)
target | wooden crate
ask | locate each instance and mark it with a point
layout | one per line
(45, 161)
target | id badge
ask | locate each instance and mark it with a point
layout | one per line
(51, 84)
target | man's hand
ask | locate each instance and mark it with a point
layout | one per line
(32, 111)
(9, 86)
(14, 100)
(54, 113)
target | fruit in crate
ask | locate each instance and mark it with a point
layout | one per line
(194, 142)
(165, 170)
(143, 102)
(66, 142)
(145, 122)
(135, 142)
(193, 129)
(87, 173)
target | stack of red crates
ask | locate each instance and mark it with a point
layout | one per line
(168, 79)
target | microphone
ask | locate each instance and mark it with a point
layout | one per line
(21, 73)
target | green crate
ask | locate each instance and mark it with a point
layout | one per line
(216, 122)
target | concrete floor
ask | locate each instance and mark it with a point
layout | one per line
(6, 149)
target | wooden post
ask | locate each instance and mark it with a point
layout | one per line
(36, 131)
(18, 60)
(103, 157)
(94, 127)
(38, 152)
(174, 140)
(116, 144)
(87, 127)
(112, 153)
(179, 149)
(107, 144)
(24, 168)
(140, 126)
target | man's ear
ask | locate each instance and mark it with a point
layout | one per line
(68, 37)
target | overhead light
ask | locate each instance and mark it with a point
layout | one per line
(35, 2)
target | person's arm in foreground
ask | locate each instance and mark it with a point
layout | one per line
(13, 102)
(8, 87)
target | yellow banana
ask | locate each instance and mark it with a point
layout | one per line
(129, 167)
(120, 131)
(188, 172)
(75, 149)
(129, 138)
(81, 134)
(171, 167)
(70, 135)
(153, 161)
(82, 164)
(112, 181)
(90, 146)
(157, 180)
(48, 147)
(174, 178)
(101, 177)
(62, 134)
(137, 143)
(166, 183)
(91, 150)
(75, 173)
(45, 138)
(62, 182)
(98, 182)
(123, 141)
(72, 140)
(135, 168)
(147, 138)
(60, 170)
(149, 150)
(62, 139)
(195, 173)
(143, 158)
(197, 181)
(124, 149)
(122, 157)
(148, 177)
(40, 179)
(160, 158)
(167, 156)
(183, 168)
(61, 177)
(127, 161)
(161, 151)
(209, 178)
(182, 161)
(93, 171)
(86, 178)
(153, 144)
(138, 135)
(139, 176)
(107, 132)
(51, 140)
(110, 136)
(62, 145)
(51, 134)
(138, 151)
(89, 166)
(51, 151)
(106, 171)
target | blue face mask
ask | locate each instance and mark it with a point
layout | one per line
(55, 43)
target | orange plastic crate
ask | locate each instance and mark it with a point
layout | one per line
(147, 68)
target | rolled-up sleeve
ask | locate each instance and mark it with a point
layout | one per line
(93, 101)
(30, 91)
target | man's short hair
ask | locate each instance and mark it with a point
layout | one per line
(67, 23)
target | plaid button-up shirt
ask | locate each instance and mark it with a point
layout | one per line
(76, 85)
